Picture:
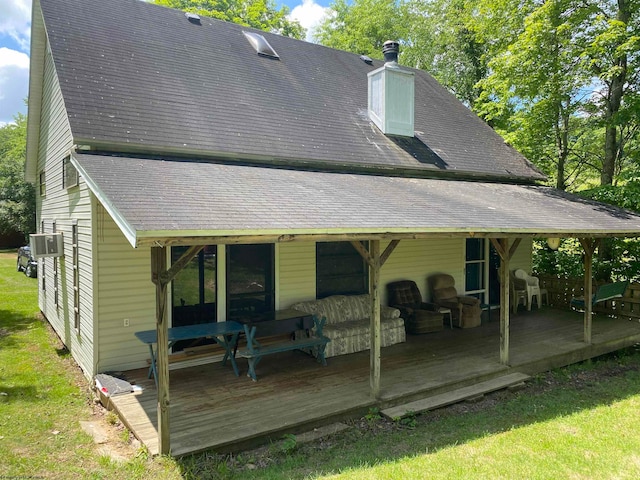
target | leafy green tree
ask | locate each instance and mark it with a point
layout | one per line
(17, 198)
(260, 14)
(536, 88)
(363, 26)
(612, 52)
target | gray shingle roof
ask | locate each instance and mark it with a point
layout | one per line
(156, 198)
(140, 76)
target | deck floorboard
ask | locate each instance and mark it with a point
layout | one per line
(212, 408)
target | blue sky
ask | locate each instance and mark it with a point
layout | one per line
(15, 24)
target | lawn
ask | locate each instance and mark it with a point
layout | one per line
(578, 422)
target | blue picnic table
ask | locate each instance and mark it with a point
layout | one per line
(224, 334)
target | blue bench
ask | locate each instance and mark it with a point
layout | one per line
(254, 352)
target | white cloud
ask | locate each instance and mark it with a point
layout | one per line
(14, 83)
(309, 14)
(15, 21)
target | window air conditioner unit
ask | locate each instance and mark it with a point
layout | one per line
(46, 245)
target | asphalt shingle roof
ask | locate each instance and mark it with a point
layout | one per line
(162, 198)
(139, 76)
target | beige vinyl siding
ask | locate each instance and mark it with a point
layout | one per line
(418, 259)
(297, 273)
(124, 291)
(62, 207)
(522, 256)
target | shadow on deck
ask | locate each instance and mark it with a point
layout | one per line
(213, 409)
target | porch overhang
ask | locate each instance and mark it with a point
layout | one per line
(164, 202)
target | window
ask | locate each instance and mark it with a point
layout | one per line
(476, 268)
(55, 274)
(194, 292)
(41, 263)
(43, 184)
(76, 277)
(69, 174)
(250, 280)
(194, 289)
(340, 270)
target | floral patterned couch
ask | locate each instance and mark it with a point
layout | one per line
(348, 322)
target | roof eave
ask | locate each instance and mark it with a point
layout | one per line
(36, 81)
(117, 148)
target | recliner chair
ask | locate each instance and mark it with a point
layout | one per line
(419, 317)
(465, 309)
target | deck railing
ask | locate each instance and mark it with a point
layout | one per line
(561, 290)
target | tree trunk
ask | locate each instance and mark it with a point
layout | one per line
(614, 100)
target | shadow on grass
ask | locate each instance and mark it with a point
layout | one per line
(550, 396)
(15, 393)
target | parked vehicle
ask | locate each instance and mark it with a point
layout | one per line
(26, 263)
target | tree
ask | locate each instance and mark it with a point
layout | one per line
(536, 89)
(443, 40)
(17, 197)
(363, 26)
(260, 14)
(613, 57)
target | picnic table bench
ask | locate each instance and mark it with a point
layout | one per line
(224, 334)
(255, 351)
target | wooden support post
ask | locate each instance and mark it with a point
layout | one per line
(375, 261)
(589, 246)
(502, 247)
(158, 272)
(374, 289)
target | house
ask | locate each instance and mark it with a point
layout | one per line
(151, 132)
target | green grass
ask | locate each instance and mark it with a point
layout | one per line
(43, 396)
(579, 422)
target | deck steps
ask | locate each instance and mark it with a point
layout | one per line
(454, 396)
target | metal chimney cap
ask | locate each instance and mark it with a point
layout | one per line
(390, 50)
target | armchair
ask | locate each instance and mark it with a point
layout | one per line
(466, 310)
(419, 317)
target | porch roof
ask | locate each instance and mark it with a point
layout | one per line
(171, 201)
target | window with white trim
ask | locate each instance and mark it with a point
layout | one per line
(76, 277)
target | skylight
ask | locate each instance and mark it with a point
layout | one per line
(192, 17)
(260, 44)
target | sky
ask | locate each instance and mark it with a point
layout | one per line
(15, 25)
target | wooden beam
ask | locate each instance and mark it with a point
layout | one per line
(181, 263)
(374, 328)
(505, 252)
(388, 251)
(234, 239)
(589, 246)
(158, 270)
(364, 253)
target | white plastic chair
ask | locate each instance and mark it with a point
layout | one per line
(533, 287)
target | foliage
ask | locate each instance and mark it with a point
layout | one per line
(363, 26)
(260, 14)
(623, 254)
(17, 197)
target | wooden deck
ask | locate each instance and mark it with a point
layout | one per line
(213, 409)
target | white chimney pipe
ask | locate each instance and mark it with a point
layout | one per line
(391, 95)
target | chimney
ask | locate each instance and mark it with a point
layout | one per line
(391, 95)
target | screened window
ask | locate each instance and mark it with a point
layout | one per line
(340, 270)
(194, 289)
(250, 280)
(69, 174)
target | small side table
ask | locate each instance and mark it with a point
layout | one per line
(447, 311)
